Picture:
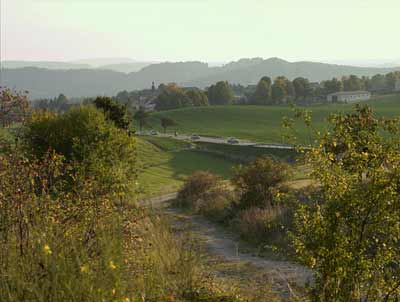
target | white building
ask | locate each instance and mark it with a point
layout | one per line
(348, 96)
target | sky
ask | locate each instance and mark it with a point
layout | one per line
(204, 30)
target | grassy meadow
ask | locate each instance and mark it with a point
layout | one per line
(166, 163)
(260, 123)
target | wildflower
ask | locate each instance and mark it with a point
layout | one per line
(112, 265)
(47, 249)
(113, 291)
(127, 299)
(84, 268)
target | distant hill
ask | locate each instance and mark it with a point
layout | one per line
(46, 82)
(126, 67)
(43, 64)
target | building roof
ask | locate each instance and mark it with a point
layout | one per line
(350, 92)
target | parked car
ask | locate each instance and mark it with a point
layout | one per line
(195, 137)
(233, 141)
(154, 133)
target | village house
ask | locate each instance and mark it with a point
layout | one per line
(348, 96)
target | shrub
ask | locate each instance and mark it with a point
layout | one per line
(113, 111)
(258, 182)
(262, 225)
(350, 235)
(205, 193)
(83, 135)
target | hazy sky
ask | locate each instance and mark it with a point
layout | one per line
(209, 30)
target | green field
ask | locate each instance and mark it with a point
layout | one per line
(165, 164)
(259, 123)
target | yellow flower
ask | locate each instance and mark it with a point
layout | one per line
(85, 268)
(127, 300)
(113, 291)
(112, 265)
(47, 249)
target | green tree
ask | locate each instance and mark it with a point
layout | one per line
(279, 90)
(262, 95)
(302, 89)
(197, 97)
(391, 79)
(142, 117)
(352, 83)
(378, 83)
(113, 111)
(83, 135)
(220, 93)
(167, 122)
(172, 97)
(332, 86)
(349, 233)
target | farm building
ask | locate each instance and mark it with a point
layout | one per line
(348, 96)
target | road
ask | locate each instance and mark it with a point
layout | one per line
(222, 140)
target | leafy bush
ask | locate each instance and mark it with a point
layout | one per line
(113, 111)
(83, 135)
(263, 225)
(258, 182)
(350, 235)
(57, 245)
(205, 193)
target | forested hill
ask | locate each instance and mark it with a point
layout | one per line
(41, 82)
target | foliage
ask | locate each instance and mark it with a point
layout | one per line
(220, 93)
(167, 122)
(141, 116)
(332, 86)
(350, 235)
(59, 104)
(261, 123)
(83, 135)
(262, 95)
(172, 97)
(13, 107)
(197, 97)
(204, 193)
(352, 83)
(302, 88)
(113, 111)
(258, 182)
(263, 225)
(57, 244)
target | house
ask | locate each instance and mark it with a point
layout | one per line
(348, 96)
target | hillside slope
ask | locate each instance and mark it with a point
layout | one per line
(260, 123)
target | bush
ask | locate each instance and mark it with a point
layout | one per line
(258, 182)
(84, 136)
(263, 225)
(57, 245)
(204, 193)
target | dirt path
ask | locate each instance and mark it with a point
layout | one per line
(284, 276)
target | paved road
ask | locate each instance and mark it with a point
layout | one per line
(222, 140)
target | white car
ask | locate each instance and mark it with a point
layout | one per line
(233, 141)
(195, 137)
(155, 133)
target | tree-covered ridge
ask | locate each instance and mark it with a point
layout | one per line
(45, 83)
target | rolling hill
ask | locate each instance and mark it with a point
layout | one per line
(42, 82)
(260, 123)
